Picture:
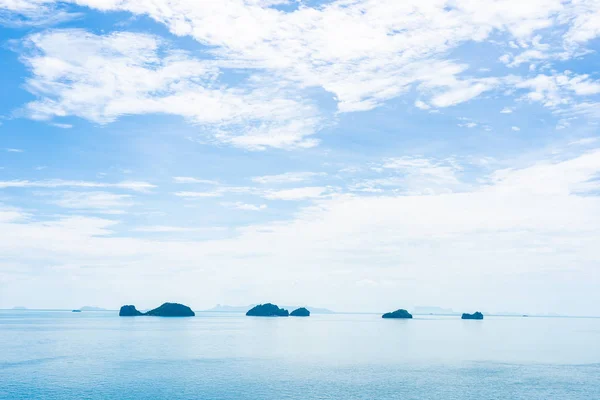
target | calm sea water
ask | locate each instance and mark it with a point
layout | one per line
(97, 355)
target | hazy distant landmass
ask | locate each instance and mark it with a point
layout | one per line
(434, 310)
(19, 308)
(243, 309)
(92, 308)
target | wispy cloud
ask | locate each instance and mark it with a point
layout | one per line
(187, 179)
(66, 63)
(401, 47)
(198, 194)
(294, 194)
(175, 229)
(111, 203)
(57, 183)
(36, 13)
(62, 126)
(288, 177)
(245, 206)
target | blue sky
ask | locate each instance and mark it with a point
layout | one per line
(358, 155)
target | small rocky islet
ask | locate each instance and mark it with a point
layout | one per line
(398, 314)
(267, 310)
(165, 310)
(300, 312)
(475, 315)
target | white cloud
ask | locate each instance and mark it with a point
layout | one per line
(516, 128)
(62, 126)
(288, 177)
(363, 52)
(102, 78)
(455, 91)
(245, 206)
(174, 229)
(506, 110)
(558, 90)
(584, 19)
(14, 150)
(25, 13)
(188, 194)
(418, 176)
(422, 105)
(187, 179)
(56, 183)
(105, 201)
(294, 194)
(584, 141)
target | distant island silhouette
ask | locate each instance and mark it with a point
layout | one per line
(92, 308)
(433, 310)
(244, 309)
(399, 314)
(476, 315)
(165, 310)
(75, 310)
(300, 312)
(267, 310)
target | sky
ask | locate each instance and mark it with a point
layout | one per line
(359, 155)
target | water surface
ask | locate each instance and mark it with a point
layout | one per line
(97, 355)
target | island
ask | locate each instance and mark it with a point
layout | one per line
(165, 310)
(244, 309)
(171, 310)
(398, 314)
(476, 315)
(300, 312)
(267, 310)
(75, 310)
(129, 311)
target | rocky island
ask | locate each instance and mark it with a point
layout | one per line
(171, 310)
(166, 310)
(129, 311)
(401, 314)
(476, 315)
(267, 310)
(300, 312)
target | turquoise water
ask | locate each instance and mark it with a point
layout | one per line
(97, 355)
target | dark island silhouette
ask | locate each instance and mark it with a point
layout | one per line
(300, 312)
(267, 310)
(165, 310)
(398, 314)
(476, 315)
(129, 311)
(244, 309)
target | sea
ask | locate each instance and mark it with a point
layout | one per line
(217, 356)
